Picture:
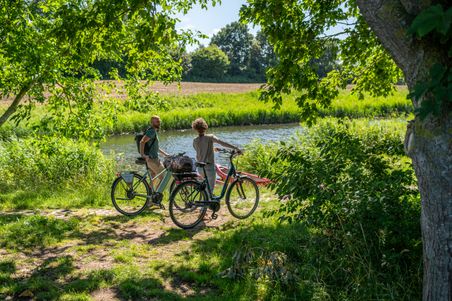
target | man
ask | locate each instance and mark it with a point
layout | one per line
(152, 157)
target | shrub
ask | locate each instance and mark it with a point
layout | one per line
(52, 163)
(351, 182)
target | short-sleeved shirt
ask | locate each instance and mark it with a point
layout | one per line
(153, 152)
(204, 148)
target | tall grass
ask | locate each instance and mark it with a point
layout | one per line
(351, 185)
(245, 109)
(226, 109)
(53, 172)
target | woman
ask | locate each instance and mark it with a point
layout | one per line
(203, 144)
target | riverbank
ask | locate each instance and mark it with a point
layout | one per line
(226, 109)
(223, 109)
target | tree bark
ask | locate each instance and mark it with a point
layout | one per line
(13, 106)
(428, 142)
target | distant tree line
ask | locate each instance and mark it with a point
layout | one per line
(233, 55)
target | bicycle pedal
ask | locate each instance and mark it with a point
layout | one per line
(214, 215)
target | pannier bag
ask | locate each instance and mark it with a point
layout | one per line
(180, 164)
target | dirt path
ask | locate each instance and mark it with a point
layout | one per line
(104, 239)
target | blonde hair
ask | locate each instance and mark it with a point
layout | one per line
(200, 125)
(154, 117)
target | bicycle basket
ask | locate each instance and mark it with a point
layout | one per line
(128, 177)
(180, 164)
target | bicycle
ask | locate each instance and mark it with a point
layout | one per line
(131, 193)
(190, 199)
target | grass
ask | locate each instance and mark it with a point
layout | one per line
(255, 259)
(225, 109)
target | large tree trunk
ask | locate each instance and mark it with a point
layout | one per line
(428, 142)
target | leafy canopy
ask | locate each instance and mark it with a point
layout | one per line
(47, 51)
(300, 33)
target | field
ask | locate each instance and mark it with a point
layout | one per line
(224, 105)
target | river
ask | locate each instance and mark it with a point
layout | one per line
(177, 141)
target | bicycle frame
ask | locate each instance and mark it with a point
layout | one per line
(162, 185)
(232, 172)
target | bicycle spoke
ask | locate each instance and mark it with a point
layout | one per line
(183, 209)
(243, 198)
(130, 200)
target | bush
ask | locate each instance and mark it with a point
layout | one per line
(49, 163)
(351, 182)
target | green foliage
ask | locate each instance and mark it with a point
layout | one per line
(352, 183)
(434, 23)
(433, 18)
(50, 47)
(54, 164)
(297, 30)
(209, 63)
(236, 41)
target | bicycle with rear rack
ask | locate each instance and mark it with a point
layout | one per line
(190, 200)
(132, 193)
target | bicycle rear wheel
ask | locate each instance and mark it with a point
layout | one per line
(130, 200)
(184, 211)
(242, 197)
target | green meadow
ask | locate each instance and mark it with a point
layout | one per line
(225, 109)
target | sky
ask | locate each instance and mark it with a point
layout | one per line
(210, 21)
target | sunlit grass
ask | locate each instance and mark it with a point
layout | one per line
(225, 109)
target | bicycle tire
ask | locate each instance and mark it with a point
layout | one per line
(231, 188)
(172, 186)
(196, 186)
(115, 203)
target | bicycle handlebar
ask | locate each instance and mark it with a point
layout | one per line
(231, 152)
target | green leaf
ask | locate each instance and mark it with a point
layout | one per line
(428, 20)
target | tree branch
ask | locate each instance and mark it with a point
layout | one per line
(333, 35)
(13, 107)
(389, 21)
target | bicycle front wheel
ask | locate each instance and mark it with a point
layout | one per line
(184, 208)
(242, 197)
(130, 199)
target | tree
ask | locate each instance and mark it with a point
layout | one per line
(328, 61)
(208, 63)
(261, 58)
(256, 65)
(267, 53)
(235, 40)
(382, 38)
(48, 48)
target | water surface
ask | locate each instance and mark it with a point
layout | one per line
(177, 141)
